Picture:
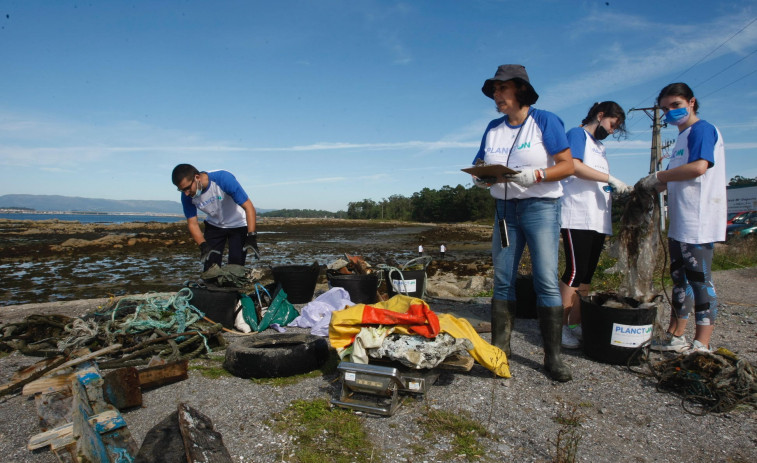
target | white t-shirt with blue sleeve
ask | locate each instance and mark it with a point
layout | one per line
(542, 135)
(221, 201)
(585, 204)
(698, 207)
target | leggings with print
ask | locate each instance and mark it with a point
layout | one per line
(690, 270)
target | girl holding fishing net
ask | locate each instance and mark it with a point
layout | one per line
(697, 205)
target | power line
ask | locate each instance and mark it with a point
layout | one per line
(728, 85)
(727, 68)
(705, 57)
(715, 49)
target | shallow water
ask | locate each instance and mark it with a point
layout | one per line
(102, 273)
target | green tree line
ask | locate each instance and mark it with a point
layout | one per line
(448, 204)
(305, 213)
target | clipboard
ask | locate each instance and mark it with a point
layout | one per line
(490, 170)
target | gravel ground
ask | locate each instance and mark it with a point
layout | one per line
(624, 417)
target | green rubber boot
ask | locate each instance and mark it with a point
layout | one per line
(550, 322)
(503, 319)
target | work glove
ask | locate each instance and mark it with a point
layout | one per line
(650, 182)
(618, 186)
(525, 178)
(204, 251)
(251, 244)
(484, 182)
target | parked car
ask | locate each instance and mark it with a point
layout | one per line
(742, 226)
(733, 215)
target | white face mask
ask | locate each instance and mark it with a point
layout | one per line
(198, 191)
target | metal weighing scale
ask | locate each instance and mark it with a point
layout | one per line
(375, 389)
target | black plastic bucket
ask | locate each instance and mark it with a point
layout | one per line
(362, 288)
(612, 335)
(412, 280)
(298, 281)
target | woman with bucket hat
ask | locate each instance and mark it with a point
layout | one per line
(532, 142)
(586, 208)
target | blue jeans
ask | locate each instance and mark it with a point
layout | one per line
(534, 222)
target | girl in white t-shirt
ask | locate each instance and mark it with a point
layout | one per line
(697, 208)
(586, 209)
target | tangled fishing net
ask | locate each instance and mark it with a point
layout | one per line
(707, 382)
(170, 327)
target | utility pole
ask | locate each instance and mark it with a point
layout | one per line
(655, 161)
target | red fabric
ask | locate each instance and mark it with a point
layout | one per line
(419, 319)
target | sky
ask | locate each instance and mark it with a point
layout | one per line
(316, 104)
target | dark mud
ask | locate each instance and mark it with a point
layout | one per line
(47, 261)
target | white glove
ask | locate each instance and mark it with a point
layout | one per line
(524, 178)
(650, 182)
(481, 183)
(618, 186)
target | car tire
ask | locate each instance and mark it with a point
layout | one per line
(275, 355)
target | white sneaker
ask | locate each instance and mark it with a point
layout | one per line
(569, 340)
(578, 333)
(669, 342)
(697, 346)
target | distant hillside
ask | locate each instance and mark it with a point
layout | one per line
(75, 203)
(72, 203)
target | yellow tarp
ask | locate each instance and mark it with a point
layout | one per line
(346, 324)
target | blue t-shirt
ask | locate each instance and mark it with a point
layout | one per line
(220, 200)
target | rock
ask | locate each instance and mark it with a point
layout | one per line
(476, 284)
(443, 289)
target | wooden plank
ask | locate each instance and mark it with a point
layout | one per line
(48, 384)
(63, 435)
(15, 385)
(34, 368)
(202, 443)
(89, 445)
(121, 388)
(91, 380)
(90, 356)
(457, 362)
(160, 375)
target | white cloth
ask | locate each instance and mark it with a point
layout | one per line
(698, 207)
(585, 205)
(317, 314)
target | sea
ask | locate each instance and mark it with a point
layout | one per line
(96, 217)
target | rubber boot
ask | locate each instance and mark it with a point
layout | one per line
(503, 319)
(550, 322)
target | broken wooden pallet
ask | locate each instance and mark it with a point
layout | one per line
(97, 433)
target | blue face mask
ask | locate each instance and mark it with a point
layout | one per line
(677, 116)
(198, 192)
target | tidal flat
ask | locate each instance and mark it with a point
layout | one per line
(53, 260)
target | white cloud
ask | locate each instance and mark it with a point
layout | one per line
(625, 68)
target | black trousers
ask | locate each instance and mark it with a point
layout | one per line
(217, 238)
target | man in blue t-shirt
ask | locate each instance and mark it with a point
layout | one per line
(230, 214)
